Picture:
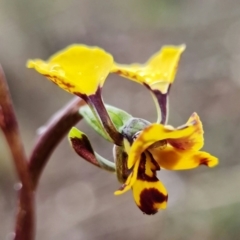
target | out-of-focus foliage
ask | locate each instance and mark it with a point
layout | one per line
(75, 200)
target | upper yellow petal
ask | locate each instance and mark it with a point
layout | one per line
(158, 72)
(78, 69)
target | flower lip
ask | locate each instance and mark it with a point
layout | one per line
(149, 193)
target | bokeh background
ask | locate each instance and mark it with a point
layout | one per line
(75, 200)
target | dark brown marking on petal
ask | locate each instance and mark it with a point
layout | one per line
(119, 72)
(68, 85)
(204, 161)
(57, 80)
(145, 177)
(141, 168)
(182, 143)
(134, 76)
(148, 198)
(157, 166)
(47, 75)
(142, 171)
(126, 74)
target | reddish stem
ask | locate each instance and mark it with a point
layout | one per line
(53, 132)
(25, 227)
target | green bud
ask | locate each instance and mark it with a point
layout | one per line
(131, 129)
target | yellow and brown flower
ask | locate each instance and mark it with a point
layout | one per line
(141, 149)
(158, 146)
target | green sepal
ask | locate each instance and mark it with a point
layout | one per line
(118, 117)
(82, 146)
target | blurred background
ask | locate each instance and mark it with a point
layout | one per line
(75, 200)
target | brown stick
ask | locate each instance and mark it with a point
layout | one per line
(25, 227)
(53, 132)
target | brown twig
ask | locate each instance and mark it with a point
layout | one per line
(52, 133)
(25, 228)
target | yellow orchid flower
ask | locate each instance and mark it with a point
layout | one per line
(158, 146)
(141, 148)
(157, 74)
(82, 70)
(78, 69)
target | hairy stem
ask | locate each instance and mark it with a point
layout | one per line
(25, 227)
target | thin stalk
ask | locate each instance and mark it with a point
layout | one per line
(96, 104)
(25, 225)
(53, 132)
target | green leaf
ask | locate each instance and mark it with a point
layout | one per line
(118, 117)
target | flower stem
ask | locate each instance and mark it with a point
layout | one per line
(161, 101)
(53, 132)
(96, 104)
(25, 227)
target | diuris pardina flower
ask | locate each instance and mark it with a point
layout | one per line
(158, 146)
(141, 148)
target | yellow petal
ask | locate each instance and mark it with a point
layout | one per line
(154, 133)
(175, 159)
(193, 141)
(147, 167)
(148, 192)
(130, 180)
(150, 196)
(78, 69)
(158, 72)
